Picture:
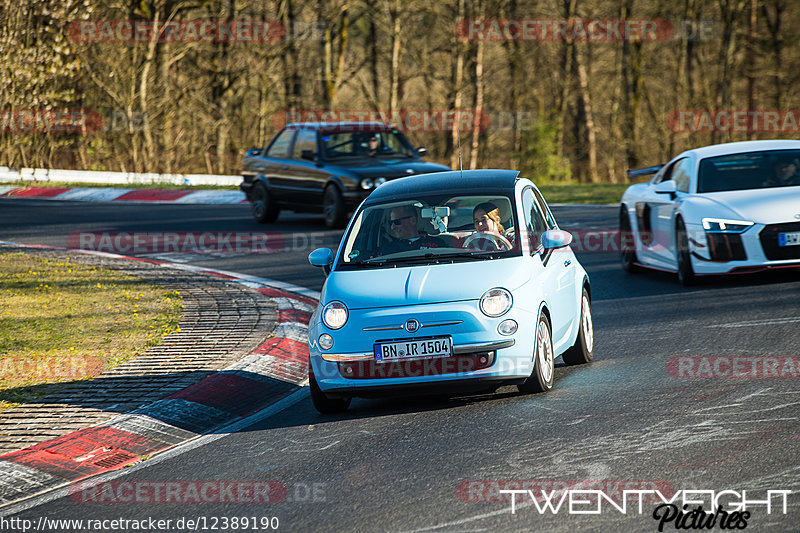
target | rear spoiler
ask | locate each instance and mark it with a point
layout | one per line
(639, 172)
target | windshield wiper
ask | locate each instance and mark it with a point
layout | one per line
(437, 258)
(368, 263)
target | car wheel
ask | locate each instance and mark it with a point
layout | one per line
(321, 402)
(627, 246)
(583, 349)
(686, 273)
(333, 207)
(263, 205)
(541, 379)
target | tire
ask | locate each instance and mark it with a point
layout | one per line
(627, 254)
(583, 350)
(541, 379)
(262, 205)
(321, 402)
(333, 207)
(686, 275)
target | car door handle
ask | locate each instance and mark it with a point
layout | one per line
(567, 263)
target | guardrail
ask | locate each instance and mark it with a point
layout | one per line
(120, 178)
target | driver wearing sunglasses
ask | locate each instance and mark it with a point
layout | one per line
(403, 225)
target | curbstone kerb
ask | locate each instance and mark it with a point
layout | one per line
(242, 347)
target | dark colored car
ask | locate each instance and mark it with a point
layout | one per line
(327, 168)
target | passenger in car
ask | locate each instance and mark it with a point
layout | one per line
(786, 171)
(403, 225)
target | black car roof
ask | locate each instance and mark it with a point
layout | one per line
(491, 181)
(342, 126)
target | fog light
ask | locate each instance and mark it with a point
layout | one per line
(483, 360)
(325, 341)
(507, 327)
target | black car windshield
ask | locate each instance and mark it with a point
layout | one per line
(431, 229)
(752, 170)
(365, 143)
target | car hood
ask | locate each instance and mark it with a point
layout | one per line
(762, 206)
(425, 284)
(389, 167)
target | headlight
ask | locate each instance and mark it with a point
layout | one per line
(496, 302)
(719, 225)
(379, 182)
(334, 315)
(367, 184)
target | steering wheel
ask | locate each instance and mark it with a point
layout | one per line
(479, 240)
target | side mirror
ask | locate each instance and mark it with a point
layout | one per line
(556, 238)
(322, 257)
(422, 151)
(253, 152)
(665, 187)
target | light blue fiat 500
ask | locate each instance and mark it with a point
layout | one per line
(448, 282)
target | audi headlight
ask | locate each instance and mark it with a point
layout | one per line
(722, 225)
(496, 302)
(334, 315)
(367, 184)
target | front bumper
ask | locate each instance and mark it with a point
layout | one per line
(750, 251)
(480, 353)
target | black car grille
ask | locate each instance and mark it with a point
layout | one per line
(726, 247)
(769, 241)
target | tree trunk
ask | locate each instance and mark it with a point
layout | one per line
(591, 140)
(751, 63)
(478, 108)
(455, 157)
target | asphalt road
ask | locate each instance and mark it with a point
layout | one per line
(625, 421)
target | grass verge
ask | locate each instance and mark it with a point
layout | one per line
(63, 321)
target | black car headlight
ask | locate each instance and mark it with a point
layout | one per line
(723, 225)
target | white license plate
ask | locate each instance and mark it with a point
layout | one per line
(789, 239)
(413, 349)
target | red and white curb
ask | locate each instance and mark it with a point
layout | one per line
(105, 194)
(271, 372)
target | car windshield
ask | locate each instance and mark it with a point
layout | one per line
(753, 170)
(365, 143)
(431, 229)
